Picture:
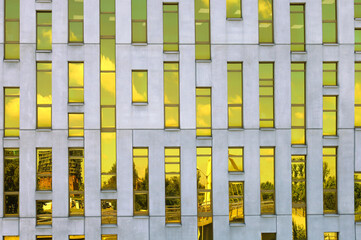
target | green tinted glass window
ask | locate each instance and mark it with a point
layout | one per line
(202, 27)
(44, 94)
(75, 18)
(235, 95)
(234, 8)
(297, 27)
(171, 94)
(329, 180)
(329, 74)
(11, 112)
(139, 21)
(170, 27)
(203, 111)
(76, 82)
(266, 95)
(12, 29)
(43, 30)
(329, 21)
(265, 21)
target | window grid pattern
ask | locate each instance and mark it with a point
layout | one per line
(43, 30)
(170, 27)
(329, 115)
(171, 95)
(329, 73)
(109, 211)
(76, 82)
(139, 21)
(76, 124)
(235, 159)
(44, 210)
(330, 180)
(235, 95)
(11, 112)
(139, 86)
(297, 27)
(11, 182)
(236, 202)
(266, 95)
(76, 181)
(12, 29)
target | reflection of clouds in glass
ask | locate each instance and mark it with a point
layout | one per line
(106, 63)
(235, 99)
(44, 99)
(300, 115)
(137, 95)
(74, 37)
(77, 73)
(46, 36)
(12, 108)
(297, 26)
(265, 8)
(203, 113)
(328, 1)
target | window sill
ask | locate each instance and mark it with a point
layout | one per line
(267, 129)
(11, 60)
(11, 138)
(76, 218)
(358, 223)
(43, 130)
(172, 129)
(139, 103)
(299, 145)
(75, 138)
(358, 128)
(267, 44)
(76, 104)
(331, 215)
(139, 44)
(330, 136)
(204, 137)
(234, 19)
(44, 226)
(235, 129)
(43, 51)
(109, 225)
(236, 173)
(171, 52)
(203, 60)
(239, 224)
(330, 44)
(357, 19)
(330, 86)
(298, 53)
(173, 225)
(141, 216)
(44, 191)
(268, 216)
(75, 43)
(108, 191)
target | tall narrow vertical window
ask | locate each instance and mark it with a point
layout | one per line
(358, 94)
(266, 95)
(12, 29)
(267, 173)
(139, 86)
(236, 202)
(76, 124)
(235, 159)
(76, 82)
(140, 181)
(329, 115)
(170, 27)
(172, 185)
(43, 30)
(109, 211)
(171, 95)
(109, 237)
(329, 21)
(76, 182)
(357, 196)
(299, 213)
(297, 27)
(11, 182)
(204, 111)
(43, 94)
(44, 166)
(11, 112)
(203, 36)
(330, 236)
(357, 39)
(357, 9)
(329, 74)
(107, 95)
(75, 18)
(139, 21)
(329, 180)
(44, 209)
(298, 103)
(235, 95)
(268, 236)
(204, 190)
(265, 21)
(234, 8)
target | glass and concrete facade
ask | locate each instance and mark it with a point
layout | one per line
(190, 119)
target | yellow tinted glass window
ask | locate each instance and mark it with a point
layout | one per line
(297, 27)
(139, 86)
(43, 30)
(236, 201)
(235, 95)
(12, 29)
(329, 180)
(235, 159)
(140, 181)
(234, 8)
(171, 95)
(44, 209)
(139, 21)
(329, 74)
(76, 124)
(109, 211)
(329, 115)
(265, 21)
(330, 236)
(76, 181)
(357, 94)
(109, 237)
(11, 182)
(75, 18)
(266, 95)
(76, 82)
(43, 94)
(329, 21)
(357, 8)
(11, 112)
(203, 111)
(202, 27)
(44, 163)
(108, 163)
(170, 27)
(357, 40)
(267, 174)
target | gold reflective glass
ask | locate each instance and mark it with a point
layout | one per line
(76, 124)
(357, 196)
(11, 238)
(76, 237)
(329, 74)
(43, 94)
(11, 112)
(297, 27)
(44, 237)
(108, 162)
(76, 181)
(170, 27)
(202, 28)
(329, 21)
(75, 18)
(265, 21)
(235, 159)
(44, 211)
(268, 236)
(330, 236)
(139, 86)
(357, 40)
(267, 174)
(266, 95)
(140, 181)
(357, 94)
(329, 180)
(171, 94)
(139, 21)
(204, 192)
(172, 185)
(357, 8)
(107, 88)
(109, 237)
(234, 8)
(204, 111)
(236, 202)
(11, 182)
(44, 163)
(43, 30)
(76, 82)
(329, 115)
(299, 213)
(235, 95)
(298, 107)
(109, 211)
(12, 29)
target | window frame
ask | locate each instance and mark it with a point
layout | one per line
(304, 25)
(141, 192)
(177, 12)
(239, 105)
(49, 217)
(234, 18)
(332, 190)
(267, 96)
(75, 128)
(240, 156)
(266, 21)
(179, 97)
(45, 25)
(36, 98)
(331, 21)
(210, 98)
(103, 216)
(147, 97)
(11, 193)
(272, 191)
(142, 21)
(72, 87)
(5, 23)
(75, 20)
(46, 174)
(236, 197)
(335, 71)
(76, 192)
(335, 111)
(4, 117)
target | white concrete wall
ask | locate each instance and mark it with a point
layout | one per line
(143, 125)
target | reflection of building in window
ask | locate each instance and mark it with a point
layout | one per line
(235, 159)
(266, 95)
(76, 181)
(267, 174)
(202, 26)
(172, 185)
(235, 95)
(11, 182)
(329, 180)
(11, 112)
(299, 218)
(171, 95)
(268, 236)
(265, 21)
(357, 196)
(44, 209)
(236, 202)
(204, 111)
(109, 211)
(330, 236)
(170, 27)
(140, 181)
(44, 169)
(204, 193)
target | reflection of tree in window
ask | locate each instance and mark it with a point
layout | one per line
(112, 181)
